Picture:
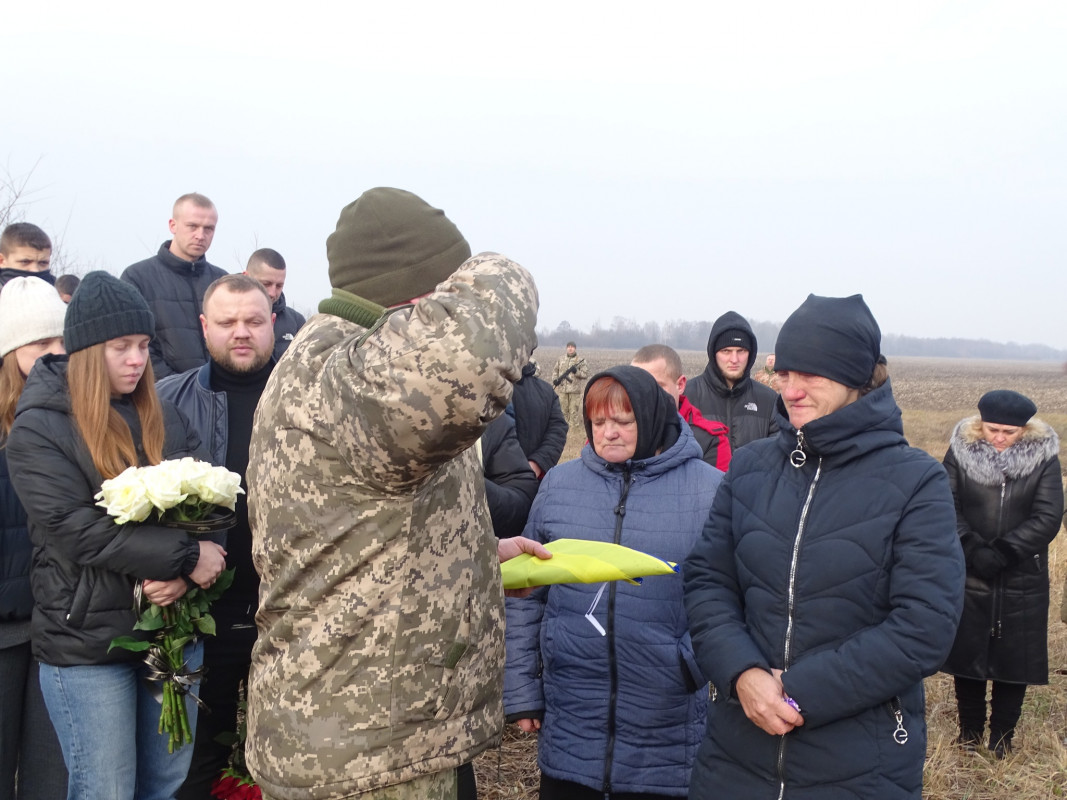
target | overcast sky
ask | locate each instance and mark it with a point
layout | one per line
(648, 161)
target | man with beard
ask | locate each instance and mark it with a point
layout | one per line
(220, 399)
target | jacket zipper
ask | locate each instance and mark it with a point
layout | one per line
(620, 513)
(788, 646)
(996, 623)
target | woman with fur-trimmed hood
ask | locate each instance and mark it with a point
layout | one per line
(1004, 468)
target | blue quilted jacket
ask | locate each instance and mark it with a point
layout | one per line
(847, 573)
(622, 698)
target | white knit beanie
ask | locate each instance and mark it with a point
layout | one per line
(30, 310)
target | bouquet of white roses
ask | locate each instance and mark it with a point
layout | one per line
(181, 493)
(185, 490)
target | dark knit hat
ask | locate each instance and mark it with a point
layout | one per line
(733, 337)
(105, 308)
(391, 246)
(835, 337)
(1005, 407)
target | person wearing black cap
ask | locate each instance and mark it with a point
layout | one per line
(83, 418)
(1004, 468)
(378, 664)
(606, 672)
(827, 583)
(725, 392)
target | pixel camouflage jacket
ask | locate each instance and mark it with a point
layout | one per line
(381, 626)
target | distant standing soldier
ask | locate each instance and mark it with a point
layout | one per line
(766, 374)
(568, 379)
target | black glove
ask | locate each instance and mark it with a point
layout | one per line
(987, 562)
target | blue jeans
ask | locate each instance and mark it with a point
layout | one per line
(107, 718)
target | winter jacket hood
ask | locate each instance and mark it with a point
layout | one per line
(731, 320)
(658, 423)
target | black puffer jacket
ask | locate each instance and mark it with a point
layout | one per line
(846, 573)
(539, 420)
(16, 600)
(1010, 501)
(510, 484)
(286, 324)
(747, 408)
(174, 290)
(85, 566)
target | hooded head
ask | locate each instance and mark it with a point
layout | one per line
(654, 411)
(731, 330)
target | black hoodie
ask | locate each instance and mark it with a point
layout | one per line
(747, 408)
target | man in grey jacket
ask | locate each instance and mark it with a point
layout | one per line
(220, 399)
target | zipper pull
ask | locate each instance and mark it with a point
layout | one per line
(798, 456)
(900, 735)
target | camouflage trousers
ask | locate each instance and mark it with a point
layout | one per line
(438, 786)
(571, 405)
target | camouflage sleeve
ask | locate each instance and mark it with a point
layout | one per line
(420, 388)
(583, 370)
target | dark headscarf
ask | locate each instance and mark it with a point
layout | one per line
(658, 423)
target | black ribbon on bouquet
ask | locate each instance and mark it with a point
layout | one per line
(159, 671)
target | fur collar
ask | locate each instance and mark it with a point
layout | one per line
(983, 464)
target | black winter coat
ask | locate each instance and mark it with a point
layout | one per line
(846, 573)
(1011, 501)
(85, 566)
(747, 408)
(174, 290)
(539, 420)
(286, 324)
(510, 484)
(16, 600)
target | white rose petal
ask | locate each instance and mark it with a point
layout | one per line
(163, 484)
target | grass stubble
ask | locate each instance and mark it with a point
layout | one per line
(934, 395)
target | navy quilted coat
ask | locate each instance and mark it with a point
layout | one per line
(847, 573)
(623, 703)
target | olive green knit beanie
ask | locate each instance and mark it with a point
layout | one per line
(391, 246)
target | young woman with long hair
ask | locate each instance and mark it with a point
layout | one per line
(84, 418)
(31, 324)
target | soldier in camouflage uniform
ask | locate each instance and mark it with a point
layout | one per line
(378, 667)
(568, 378)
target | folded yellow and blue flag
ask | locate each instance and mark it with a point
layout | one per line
(581, 561)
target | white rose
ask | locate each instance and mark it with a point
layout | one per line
(220, 487)
(193, 472)
(163, 484)
(124, 497)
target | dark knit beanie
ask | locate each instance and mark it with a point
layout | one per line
(733, 337)
(835, 337)
(105, 308)
(391, 246)
(1005, 407)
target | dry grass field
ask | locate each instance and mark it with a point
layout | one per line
(934, 394)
